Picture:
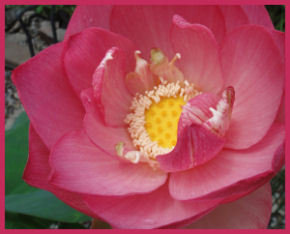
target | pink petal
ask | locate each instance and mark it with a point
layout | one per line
(37, 172)
(258, 15)
(153, 23)
(279, 38)
(37, 168)
(195, 146)
(141, 79)
(88, 16)
(110, 92)
(195, 143)
(232, 172)
(84, 51)
(250, 212)
(47, 96)
(234, 16)
(200, 62)
(248, 65)
(105, 137)
(151, 210)
(80, 166)
(280, 118)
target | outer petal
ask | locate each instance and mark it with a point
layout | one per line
(84, 51)
(47, 96)
(258, 15)
(236, 16)
(280, 118)
(279, 38)
(153, 23)
(250, 212)
(145, 211)
(200, 62)
(88, 16)
(79, 166)
(102, 135)
(248, 65)
(232, 173)
(37, 172)
(111, 94)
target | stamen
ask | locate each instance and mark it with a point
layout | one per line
(153, 121)
(177, 56)
(153, 113)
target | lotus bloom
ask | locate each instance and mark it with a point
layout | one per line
(150, 117)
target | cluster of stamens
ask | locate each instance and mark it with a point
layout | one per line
(154, 117)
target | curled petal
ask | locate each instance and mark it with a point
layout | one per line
(110, 92)
(201, 129)
(232, 173)
(85, 50)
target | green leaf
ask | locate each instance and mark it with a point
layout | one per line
(43, 204)
(17, 221)
(22, 198)
(16, 152)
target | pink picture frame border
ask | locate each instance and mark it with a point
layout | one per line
(140, 2)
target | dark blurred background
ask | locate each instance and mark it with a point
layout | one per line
(28, 30)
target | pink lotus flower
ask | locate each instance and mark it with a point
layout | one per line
(150, 117)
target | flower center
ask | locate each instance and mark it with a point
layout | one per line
(155, 110)
(154, 117)
(162, 120)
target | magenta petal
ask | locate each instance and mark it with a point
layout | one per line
(151, 210)
(258, 15)
(234, 16)
(104, 136)
(200, 62)
(153, 23)
(198, 141)
(232, 172)
(52, 106)
(195, 146)
(80, 166)
(88, 16)
(110, 92)
(279, 38)
(248, 65)
(37, 173)
(37, 168)
(84, 51)
(250, 212)
(280, 118)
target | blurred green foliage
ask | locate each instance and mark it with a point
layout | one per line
(277, 14)
(25, 206)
